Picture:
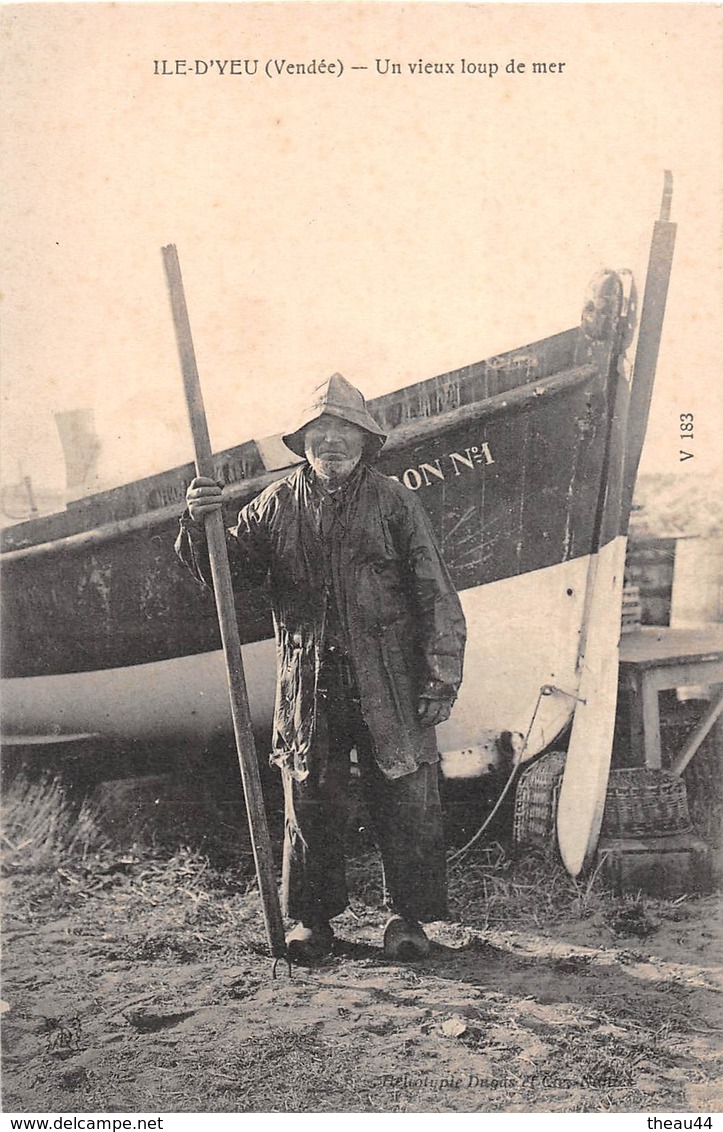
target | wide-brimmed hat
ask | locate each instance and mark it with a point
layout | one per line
(337, 398)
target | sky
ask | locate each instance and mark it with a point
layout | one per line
(389, 226)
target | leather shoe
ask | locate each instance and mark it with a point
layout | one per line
(308, 944)
(405, 940)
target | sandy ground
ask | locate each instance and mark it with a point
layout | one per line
(139, 984)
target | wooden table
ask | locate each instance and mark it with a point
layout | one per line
(652, 659)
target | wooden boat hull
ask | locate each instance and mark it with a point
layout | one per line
(105, 632)
(185, 698)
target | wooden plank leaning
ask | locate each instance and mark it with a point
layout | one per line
(221, 574)
(657, 281)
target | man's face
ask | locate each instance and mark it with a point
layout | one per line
(333, 448)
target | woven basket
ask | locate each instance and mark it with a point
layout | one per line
(642, 801)
(631, 609)
(536, 800)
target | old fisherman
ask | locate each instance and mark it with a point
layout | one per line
(370, 640)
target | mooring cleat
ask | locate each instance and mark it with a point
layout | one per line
(405, 941)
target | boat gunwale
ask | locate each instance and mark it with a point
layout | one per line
(511, 401)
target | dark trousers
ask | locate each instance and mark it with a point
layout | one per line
(405, 816)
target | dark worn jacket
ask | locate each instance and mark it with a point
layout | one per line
(399, 613)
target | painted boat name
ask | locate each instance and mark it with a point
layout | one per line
(427, 473)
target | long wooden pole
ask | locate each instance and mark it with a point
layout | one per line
(221, 574)
(650, 332)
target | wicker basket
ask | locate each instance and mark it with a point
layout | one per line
(536, 800)
(642, 801)
(631, 609)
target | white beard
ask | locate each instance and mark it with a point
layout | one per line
(333, 471)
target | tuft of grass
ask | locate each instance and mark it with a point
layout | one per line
(631, 917)
(40, 827)
(494, 888)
